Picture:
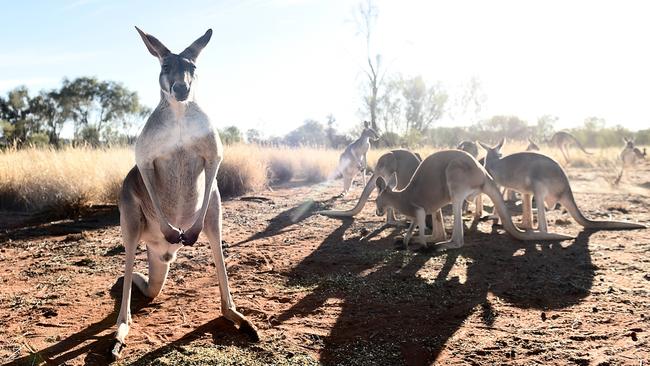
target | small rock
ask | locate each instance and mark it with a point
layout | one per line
(594, 309)
(633, 336)
(543, 316)
(364, 231)
(74, 237)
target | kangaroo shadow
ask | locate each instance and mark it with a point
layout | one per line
(98, 351)
(222, 331)
(42, 225)
(281, 222)
(402, 307)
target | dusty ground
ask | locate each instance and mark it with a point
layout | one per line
(320, 294)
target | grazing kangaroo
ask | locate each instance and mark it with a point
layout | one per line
(562, 140)
(353, 160)
(397, 168)
(532, 146)
(448, 176)
(170, 196)
(629, 156)
(534, 174)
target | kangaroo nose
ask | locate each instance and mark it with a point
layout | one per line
(180, 91)
(180, 88)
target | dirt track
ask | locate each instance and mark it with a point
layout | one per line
(317, 292)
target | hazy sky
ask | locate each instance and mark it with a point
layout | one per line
(273, 63)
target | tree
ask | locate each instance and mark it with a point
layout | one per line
(497, 127)
(311, 133)
(422, 105)
(390, 106)
(471, 101)
(52, 110)
(544, 128)
(100, 107)
(231, 135)
(365, 19)
(15, 111)
(335, 139)
(253, 136)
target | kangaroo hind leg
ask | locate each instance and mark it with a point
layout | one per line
(131, 226)
(212, 230)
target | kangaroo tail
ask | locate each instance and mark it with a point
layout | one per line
(491, 190)
(569, 203)
(580, 145)
(370, 185)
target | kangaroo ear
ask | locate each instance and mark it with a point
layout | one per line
(192, 52)
(381, 184)
(154, 46)
(500, 144)
(484, 145)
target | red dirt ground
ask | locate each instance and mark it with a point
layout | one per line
(314, 287)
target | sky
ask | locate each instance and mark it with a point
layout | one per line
(271, 64)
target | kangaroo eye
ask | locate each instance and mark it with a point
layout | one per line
(165, 68)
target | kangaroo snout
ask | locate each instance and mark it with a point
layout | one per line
(180, 91)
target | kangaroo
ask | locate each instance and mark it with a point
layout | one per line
(470, 147)
(397, 168)
(532, 146)
(170, 196)
(534, 174)
(448, 176)
(562, 140)
(629, 156)
(353, 160)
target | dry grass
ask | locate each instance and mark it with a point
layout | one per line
(70, 179)
(61, 180)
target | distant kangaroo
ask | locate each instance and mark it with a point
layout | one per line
(562, 140)
(532, 146)
(354, 160)
(470, 147)
(171, 196)
(630, 156)
(531, 173)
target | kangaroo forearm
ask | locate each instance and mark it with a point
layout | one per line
(210, 178)
(147, 177)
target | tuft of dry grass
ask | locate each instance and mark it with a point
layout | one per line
(244, 169)
(61, 180)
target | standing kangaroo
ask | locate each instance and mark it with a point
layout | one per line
(534, 174)
(448, 176)
(171, 196)
(629, 156)
(353, 160)
(562, 140)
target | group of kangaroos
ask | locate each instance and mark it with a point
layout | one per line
(170, 196)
